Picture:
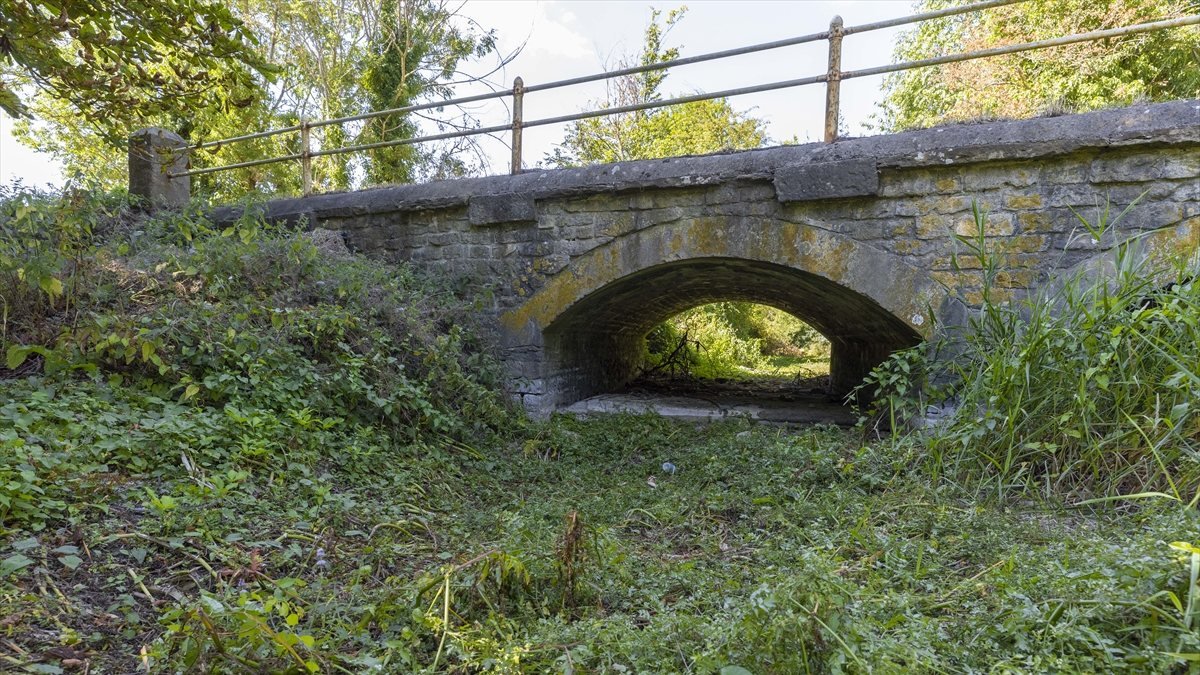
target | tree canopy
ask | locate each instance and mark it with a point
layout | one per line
(1163, 65)
(110, 61)
(270, 64)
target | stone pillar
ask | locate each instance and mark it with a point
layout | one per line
(153, 153)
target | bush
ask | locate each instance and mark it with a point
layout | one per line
(241, 348)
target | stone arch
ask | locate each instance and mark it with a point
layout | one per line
(581, 330)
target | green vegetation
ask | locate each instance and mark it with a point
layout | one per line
(113, 60)
(1088, 390)
(91, 73)
(247, 451)
(691, 129)
(243, 449)
(736, 340)
(1155, 66)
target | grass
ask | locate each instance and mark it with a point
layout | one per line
(228, 451)
(770, 550)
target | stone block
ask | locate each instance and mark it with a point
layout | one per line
(501, 209)
(1065, 172)
(1034, 221)
(827, 180)
(1032, 201)
(980, 178)
(956, 204)
(1027, 243)
(1128, 169)
(1017, 278)
(933, 227)
(154, 154)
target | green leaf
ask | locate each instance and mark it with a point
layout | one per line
(16, 356)
(13, 563)
(25, 544)
(735, 670)
(51, 285)
(71, 561)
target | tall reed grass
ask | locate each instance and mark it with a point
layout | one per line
(1089, 388)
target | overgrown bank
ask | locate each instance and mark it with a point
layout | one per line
(236, 451)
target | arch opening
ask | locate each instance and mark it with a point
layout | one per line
(740, 341)
(597, 345)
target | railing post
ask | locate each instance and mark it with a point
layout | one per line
(518, 95)
(305, 157)
(155, 157)
(833, 85)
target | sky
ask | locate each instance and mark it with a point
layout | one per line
(570, 38)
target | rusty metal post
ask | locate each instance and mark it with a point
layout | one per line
(833, 85)
(305, 157)
(518, 96)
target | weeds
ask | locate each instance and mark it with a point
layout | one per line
(1088, 389)
(249, 458)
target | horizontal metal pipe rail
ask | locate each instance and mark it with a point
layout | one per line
(832, 78)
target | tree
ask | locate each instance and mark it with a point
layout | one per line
(688, 129)
(415, 53)
(335, 58)
(113, 61)
(1155, 66)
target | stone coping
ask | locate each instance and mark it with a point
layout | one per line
(1175, 123)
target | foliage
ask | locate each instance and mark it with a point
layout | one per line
(333, 58)
(415, 53)
(769, 551)
(247, 454)
(731, 340)
(1121, 71)
(1088, 389)
(689, 129)
(114, 62)
(246, 348)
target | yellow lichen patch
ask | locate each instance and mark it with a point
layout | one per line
(1029, 243)
(950, 280)
(947, 184)
(1035, 222)
(1016, 278)
(996, 225)
(826, 256)
(975, 298)
(789, 239)
(1023, 201)
(932, 227)
(952, 204)
(707, 236)
(1170, 244)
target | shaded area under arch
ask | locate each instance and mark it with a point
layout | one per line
(595, 345)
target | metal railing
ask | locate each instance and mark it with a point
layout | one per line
(832, 78)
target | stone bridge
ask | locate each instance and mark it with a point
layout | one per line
(854, 237)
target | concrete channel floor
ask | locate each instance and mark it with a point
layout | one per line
(772, 401)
